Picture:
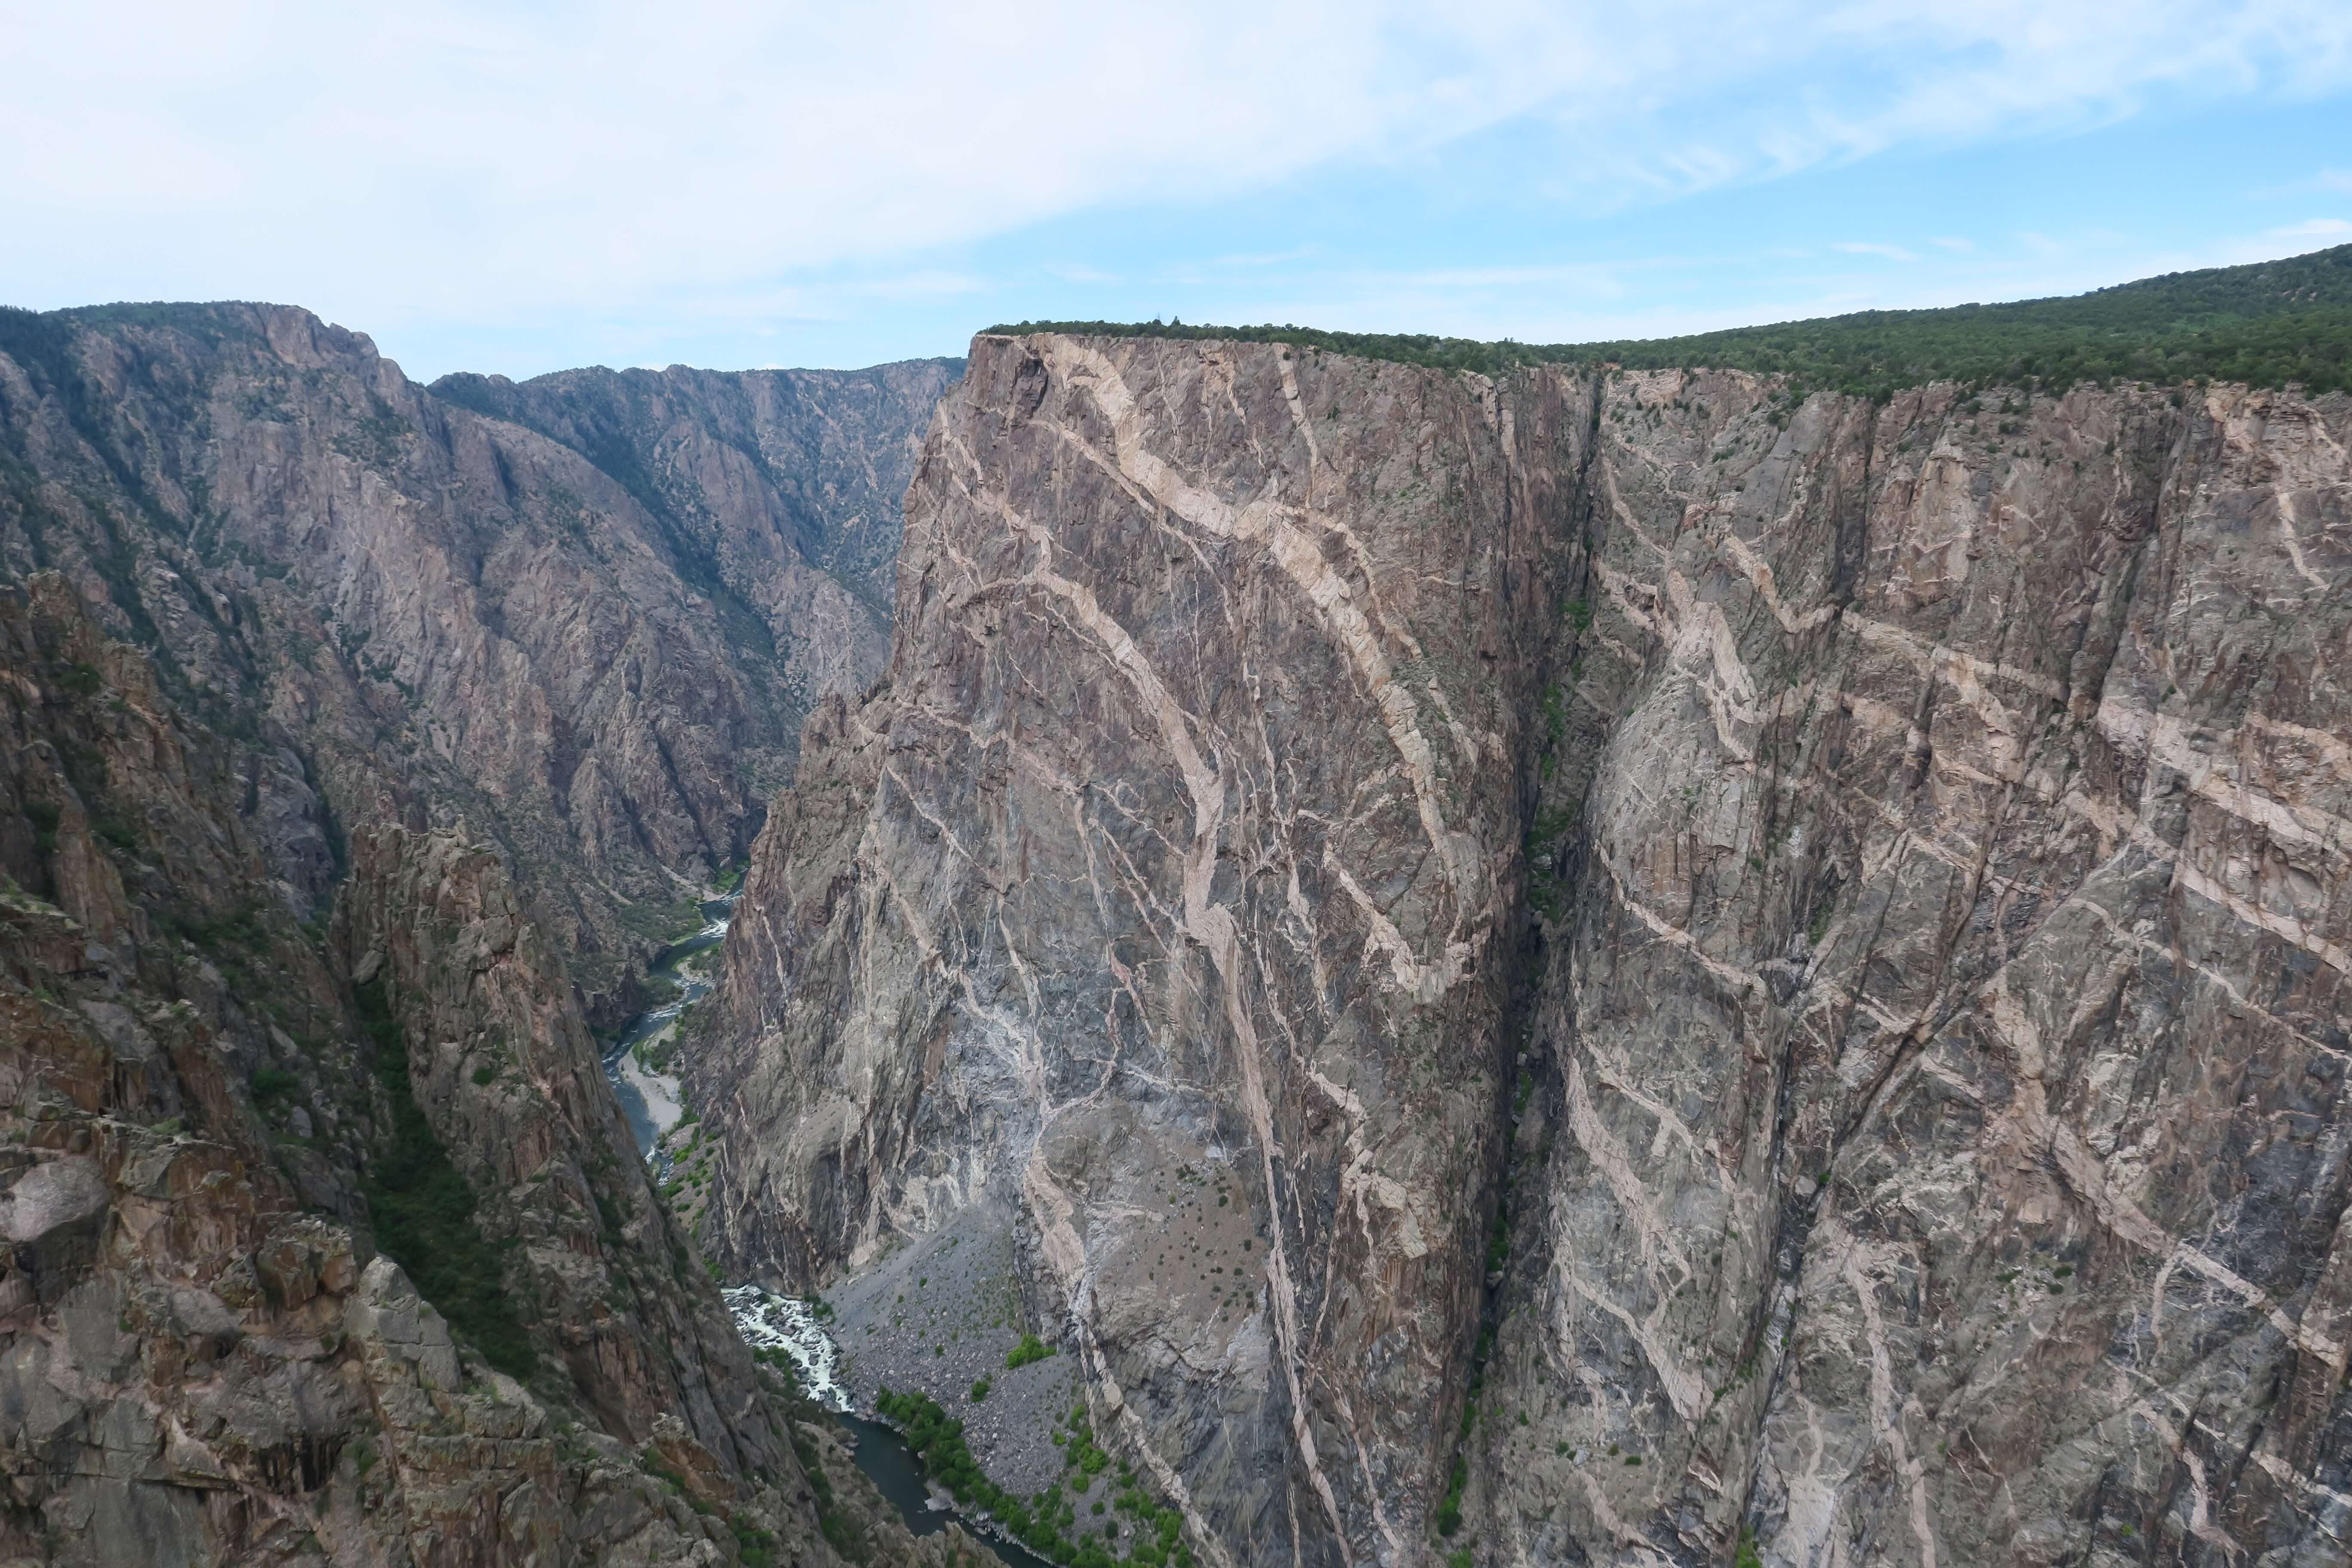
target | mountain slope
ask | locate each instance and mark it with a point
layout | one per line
(213, 1115)
(410, 612)
(352, 737)
(752, 474)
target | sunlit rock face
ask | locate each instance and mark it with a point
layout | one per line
(1162, 900)
(1821, 928)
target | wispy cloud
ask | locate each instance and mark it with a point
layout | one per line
(1267, 258)
(482, 160)
(1867, 248)
(1599, 279)
(2314, 228)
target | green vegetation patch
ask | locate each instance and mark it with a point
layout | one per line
(274, 1083)
(1030, 1349)
(1047, 1523)
(2272, 323)
(45, 817)
(424, 1211)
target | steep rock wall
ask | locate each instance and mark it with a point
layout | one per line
(1936, 1151)
(1175, 858)
(409, 612)
(504, 1067)
(1865, 883)
(787, 485)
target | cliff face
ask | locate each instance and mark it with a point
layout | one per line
(504, 1069)
(1732, 964)
(406, 612)
(1939, 1149)
(1175, 858)
(434, 719)
(203, 1358)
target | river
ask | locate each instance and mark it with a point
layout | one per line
(650, 1099)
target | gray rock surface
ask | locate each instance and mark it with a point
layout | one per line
(202, 1360)
(783, 480)
(1164, 894)
(1754, 973)
(409, 612)
(1935, 1145)
(939, 1316)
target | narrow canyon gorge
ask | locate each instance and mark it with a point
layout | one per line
(1339, 960)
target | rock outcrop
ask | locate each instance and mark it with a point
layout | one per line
(408, 612)
(1632, 968)
(205, 1359)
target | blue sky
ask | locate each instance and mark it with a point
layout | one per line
(517, 187)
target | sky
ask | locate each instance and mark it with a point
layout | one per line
(515, 187)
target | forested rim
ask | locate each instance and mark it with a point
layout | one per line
(2270, 324)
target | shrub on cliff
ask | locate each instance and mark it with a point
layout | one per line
(423, 1211)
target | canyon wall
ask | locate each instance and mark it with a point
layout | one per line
(1747, 972)
(1936, 1150)
(1163, 896)
(210, 1113)
(409, 612)
(787, 486)
(358, 748)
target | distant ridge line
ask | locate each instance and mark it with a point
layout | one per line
(2268, 324)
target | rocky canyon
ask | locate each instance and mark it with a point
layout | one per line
(1350, 951)
(359, 748)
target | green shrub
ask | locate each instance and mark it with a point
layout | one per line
(1030, 1349)
(274, 1083)
(1041, 1523)
(1498, 1246)
(424, 1211)
(757, 1547)
(237, 928)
